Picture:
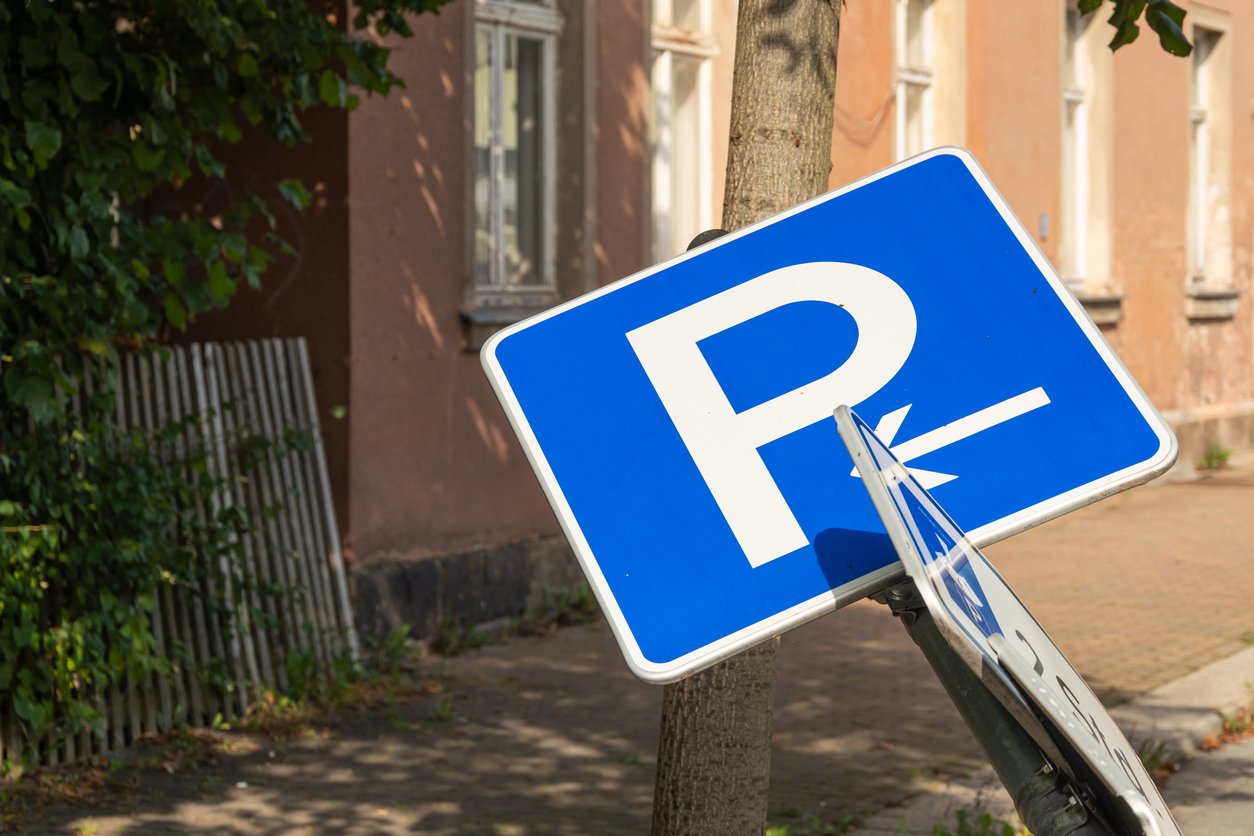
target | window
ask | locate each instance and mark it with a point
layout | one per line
(914, 76)
(1076, 79)
(1210, 293)
(1085, 249)
(682, 179)
(1201, 163)
(514, 153)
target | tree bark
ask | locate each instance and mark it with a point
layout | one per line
(714, 748)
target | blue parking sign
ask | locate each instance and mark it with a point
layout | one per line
(680, 420)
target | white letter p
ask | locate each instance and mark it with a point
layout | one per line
(724, 445)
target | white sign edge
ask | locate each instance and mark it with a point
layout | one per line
(892, 518)
(747, 637)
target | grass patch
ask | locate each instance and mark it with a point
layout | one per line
(976, 823)
(811, 825)
(1215, 458)
(1157, 762)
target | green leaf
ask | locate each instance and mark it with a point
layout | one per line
(174, 271)
(31, 713)
(1167, 20)
(175, 311)
(18, 197)
(221, 285)
(331, 89)
(31, 391)
(1124, 34)
(145, 158)
(247, 66)
(44, 141)
(88, 84)
(227, 129)
(209, 165)
(295, 193)
(1089, 6)
(1126, 11)
(77, 240)
(94, 346)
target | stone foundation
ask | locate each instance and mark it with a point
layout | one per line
(467, 588)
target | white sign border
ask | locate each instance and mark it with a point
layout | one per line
(985, 535)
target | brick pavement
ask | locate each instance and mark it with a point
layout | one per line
(559, 738)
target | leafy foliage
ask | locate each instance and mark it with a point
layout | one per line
(103, 105)
(1163, 16)
(108, 111)
(78, 588)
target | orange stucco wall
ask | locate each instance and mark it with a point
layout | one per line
(428, 444)
(1181, 363)
(425, 462)
(434, 466)
(622, 138)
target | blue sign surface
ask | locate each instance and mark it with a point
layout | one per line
(680, 420)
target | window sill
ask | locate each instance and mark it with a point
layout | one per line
(1211, 303)
(1102, 308)
(481, 322)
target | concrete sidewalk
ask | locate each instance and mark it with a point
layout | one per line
(554, 736)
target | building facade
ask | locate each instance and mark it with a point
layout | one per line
(542, 148)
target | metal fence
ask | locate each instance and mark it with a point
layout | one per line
(222, 398)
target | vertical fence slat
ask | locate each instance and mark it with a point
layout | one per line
(159, 714)
(185, 600)
(175, 610)
(293, 555)
(271, 557)
(301, 355)
(231, 436)
(138, 693)
(209, 636)
(252, 486)
(236, 699)
(305, 492)
(224, 438)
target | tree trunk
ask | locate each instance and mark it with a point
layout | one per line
(714, 757)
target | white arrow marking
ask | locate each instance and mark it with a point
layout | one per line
(947, 434)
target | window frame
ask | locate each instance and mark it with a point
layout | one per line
(1075, 209)
(1201, 123)
(1209, 276)
(909, 77)
(670, 43)
(540, 21)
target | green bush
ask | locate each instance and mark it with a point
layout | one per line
(103, 107)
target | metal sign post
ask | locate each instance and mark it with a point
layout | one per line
(1020, 696)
